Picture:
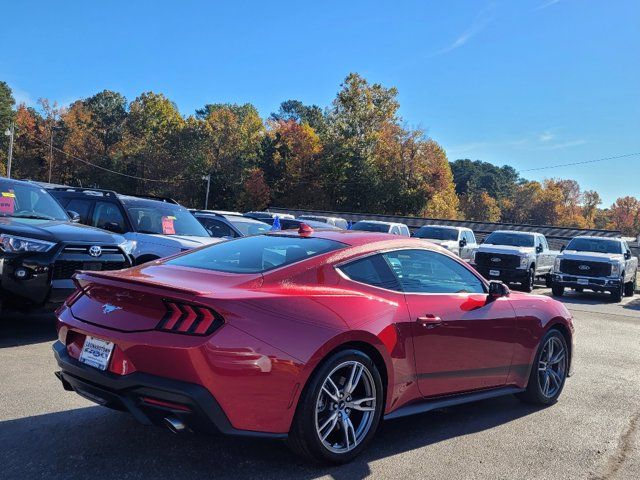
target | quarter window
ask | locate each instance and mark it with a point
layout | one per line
(372, 270)
(424, 271)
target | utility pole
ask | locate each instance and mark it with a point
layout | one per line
(10, 132)
(50, 152)
(206, 198)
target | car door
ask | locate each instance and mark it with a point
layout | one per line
(462, 340)
(545, 259)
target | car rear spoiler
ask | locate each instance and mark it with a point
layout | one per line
(83, 278)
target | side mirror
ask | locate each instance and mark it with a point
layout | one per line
(73, 216)
(481, 241)
(463, 242)
(562, 248)
(627, 255)
(498, 289)
(539, 249)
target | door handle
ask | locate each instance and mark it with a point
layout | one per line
(429, 320)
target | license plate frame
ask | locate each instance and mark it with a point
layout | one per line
(96, 352)
(494, 273)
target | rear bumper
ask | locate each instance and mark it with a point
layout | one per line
(593, 283)
(142, 394)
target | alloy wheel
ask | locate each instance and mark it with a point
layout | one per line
(345, 407)
(552, 367)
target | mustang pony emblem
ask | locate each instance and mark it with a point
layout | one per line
(108, 308)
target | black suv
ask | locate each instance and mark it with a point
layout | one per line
(41, 247)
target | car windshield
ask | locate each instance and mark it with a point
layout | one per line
(437, 233)
(510, 239)
(370, 227)
(249, 227)
(598, 245)
(155, 217)
(22, 200)
(256, 254)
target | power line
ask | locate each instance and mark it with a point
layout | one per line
(581, 163)
(101, 167)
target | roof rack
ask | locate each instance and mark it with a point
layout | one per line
(90, 191)
(154, 197)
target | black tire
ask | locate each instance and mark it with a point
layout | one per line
(304, 438)
(630, 287)
(527, 283)
(535, 391)
(616, 295)
(548, 282)
(557, 290)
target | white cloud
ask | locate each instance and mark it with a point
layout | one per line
(546, 4)
(21, 96)
(568, 144)
(546, 136)
(481, 21)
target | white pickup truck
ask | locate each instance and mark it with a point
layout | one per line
(515, 257)
(596, 263)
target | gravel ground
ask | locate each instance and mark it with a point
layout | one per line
(593, 432)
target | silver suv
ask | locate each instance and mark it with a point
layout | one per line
(459, 240)
(383, 227)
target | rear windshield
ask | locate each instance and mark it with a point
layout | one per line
(510, 239)
(256, 254)
(437, 233)
(595, 245)
(371, 227)
(160, 218)
(249, 227)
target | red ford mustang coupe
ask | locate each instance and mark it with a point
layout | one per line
(313, 337)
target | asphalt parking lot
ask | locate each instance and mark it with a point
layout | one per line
(593, 432)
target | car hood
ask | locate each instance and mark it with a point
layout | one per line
(185, 241)
(57, 231)
(505, 249)
(591, 256)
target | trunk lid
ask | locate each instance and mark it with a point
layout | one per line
(137, 299)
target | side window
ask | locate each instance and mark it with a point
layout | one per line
(81, 207)
(107, 216)
(218, 228)
(471, 238)
(372, 270)
(395, 230)
(424, 271)
(545, 245)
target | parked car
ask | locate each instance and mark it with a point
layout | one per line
(223, 224)
(41, 247)
(268, 215)
(158, 226)
(598, 264)
(515, 257)
(335, 221)
(459, 240)
(311, 337)
(383, 227)
(294, 224)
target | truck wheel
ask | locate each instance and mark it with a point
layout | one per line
(616, 295)
(547, 281)
(630, 287)
(557, 290)
(527, 283)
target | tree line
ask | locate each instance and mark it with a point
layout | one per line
(355, 155)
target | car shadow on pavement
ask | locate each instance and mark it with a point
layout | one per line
(95, 441)
(633, 304)
(585, 298)
(18, 329)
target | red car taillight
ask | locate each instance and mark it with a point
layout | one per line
(189, 319)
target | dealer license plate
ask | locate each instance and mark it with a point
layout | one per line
(583, 281)
(494, 273)
(96, 352)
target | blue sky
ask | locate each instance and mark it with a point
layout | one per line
(529, 83)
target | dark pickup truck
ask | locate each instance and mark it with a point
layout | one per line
(42, 246)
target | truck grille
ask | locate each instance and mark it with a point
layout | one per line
(498, 260)
(585, 269)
